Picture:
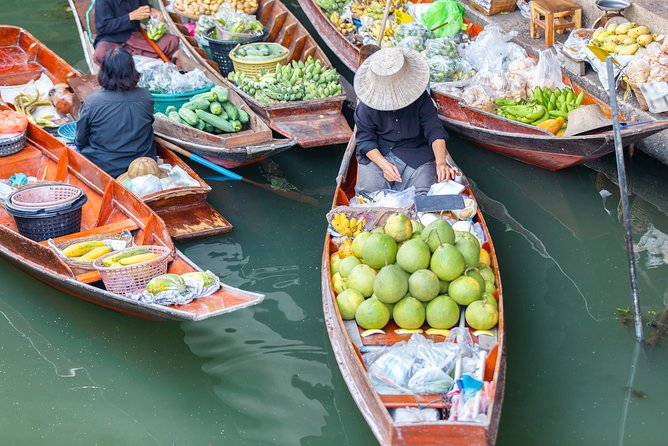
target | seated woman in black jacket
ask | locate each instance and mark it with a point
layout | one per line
(116, 122)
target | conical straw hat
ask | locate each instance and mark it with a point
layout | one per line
(392, 78)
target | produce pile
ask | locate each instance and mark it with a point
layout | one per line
(651, 66)
(210, 112)
(156, 29)
(414, 274)
(197, 7)
(27, 103)
(296, 81)
(624, 39)
(245, 6)
(87, 251)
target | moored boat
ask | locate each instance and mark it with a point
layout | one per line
(184, 209)
(312, 123)
(514, 139)
(350, 345)
(228, 150)
(110, 209)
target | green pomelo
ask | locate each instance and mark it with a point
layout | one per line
(413, 255)
(490, 299)
(489, 287)
(409, 313)
(438, 232)
(476, 275)
(416, 234)
(464, 290)
(443, 287)
(339, 283)
(423, 285)
(488, 274)
(447, 262)
(348, 301)
(347, 265)
(361, 278)
(379, 229)
(417, 226)
(482, 315)
(335, 267)
(391, 284)
(379, 250)
(372, 314)
(469, 246)
(358, 243)
(442, 313)
(399, 227)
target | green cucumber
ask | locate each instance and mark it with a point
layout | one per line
(208, 127)
(243, 117)
(169, 109)
(174, 116)
(201, 104)
(231, 110)
(216, 108)
(159, 115)
(200, 124)
(221, 93)
(217, 121)
(188, 116)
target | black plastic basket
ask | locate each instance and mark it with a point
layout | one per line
(10, 146)
(220, 49)
(42, 224)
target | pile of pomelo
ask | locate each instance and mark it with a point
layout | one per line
(414, 274)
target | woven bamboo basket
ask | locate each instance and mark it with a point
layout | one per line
(642, 103)
(76, 265)
(495, 6)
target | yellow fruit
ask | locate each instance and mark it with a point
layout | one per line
(346, 249)
(597, 33)
(485, 259)
(95, 254)
(611, 27)
(356, 233)
(604, 35)
(138, 259)
(353, 222)
(624, 28)
(345, 224)
(629, 41)
(618, 48)
(644, 40)
(81, 248)
(628, 50)
(638, 31)
(609, 46)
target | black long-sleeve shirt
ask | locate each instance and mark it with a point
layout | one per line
(112, 20)
(115, 127)
(408, 132)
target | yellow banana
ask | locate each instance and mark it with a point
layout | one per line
(345, 224)
(353, 222)
(644, 40)
(628, 50)
(638, 31)
(611, 27)
(624, 28)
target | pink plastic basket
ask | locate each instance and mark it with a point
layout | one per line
(133, 278)
(46, 196)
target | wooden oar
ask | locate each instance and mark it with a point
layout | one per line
(289, 194)
(368, 49)
(154, 45)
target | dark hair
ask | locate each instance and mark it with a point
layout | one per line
(118, 71)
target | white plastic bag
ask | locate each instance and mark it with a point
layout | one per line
(144, 185)
(177, 178)
(547, 73)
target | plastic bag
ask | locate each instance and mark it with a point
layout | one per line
(448, 12)
(446, 69)
(411, 35)
(547, 73)
(479, 96)
(177, 178)
(194, 289)
(492, 50)
(441, 47)
(230, 20)
(165, 78)
(143, 185)
(638, 70)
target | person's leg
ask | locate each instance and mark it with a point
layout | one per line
(421, 178)
(101, 49)
(169, 44)
(138, 46)
(370, 179)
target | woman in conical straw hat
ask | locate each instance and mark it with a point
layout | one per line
(400, 140)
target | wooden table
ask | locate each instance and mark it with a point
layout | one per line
(554, 15)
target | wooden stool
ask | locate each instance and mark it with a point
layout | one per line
(544, 13)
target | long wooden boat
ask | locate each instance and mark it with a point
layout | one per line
(184, 209)
(110, 209)
(349, 347)
(520, 141)
(312, 123)
(228, 150)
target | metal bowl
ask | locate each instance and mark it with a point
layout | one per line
(612, 5)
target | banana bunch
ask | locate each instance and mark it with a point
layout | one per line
(343, 26)
(624, 39)
(358, 8)
(375, 10)
(296, 81)
(388, 35)
(347, 227)
(330, 6)
(531, 113)
(558, 102)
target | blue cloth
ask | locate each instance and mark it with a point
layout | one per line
(408, 132)
(112, 19)
(115, 127)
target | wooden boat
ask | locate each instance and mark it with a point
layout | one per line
(520, 141)
(349, 346)
(229, 150)
(312, 123)
(110, 209)
(184, 209)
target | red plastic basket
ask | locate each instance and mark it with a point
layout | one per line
(133, 278)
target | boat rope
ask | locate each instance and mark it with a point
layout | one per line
(88, 31)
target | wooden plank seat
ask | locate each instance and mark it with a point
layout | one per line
(554, 15)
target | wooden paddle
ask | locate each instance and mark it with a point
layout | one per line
(289, 194)
(368, 49)
(155, 47)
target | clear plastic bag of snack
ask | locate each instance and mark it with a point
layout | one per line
(411, 35)
(441, 47)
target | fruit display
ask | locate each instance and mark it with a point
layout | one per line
(156, 29)
(296, 81)
(374, 30)
(197, 7)
(349, 227)
(166, 282)
(245, 6)
(210, 112)
(82, 248)
(651, 66)
(330, 6)
(623, 39)
(130, 257)
(411, 35)
(344, 26)
(414, 275)
(257, 51)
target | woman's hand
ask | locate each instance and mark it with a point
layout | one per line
(390, 171)
(156, 14)
(445, 172)
(141, 13)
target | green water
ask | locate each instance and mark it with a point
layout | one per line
(75, 374)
